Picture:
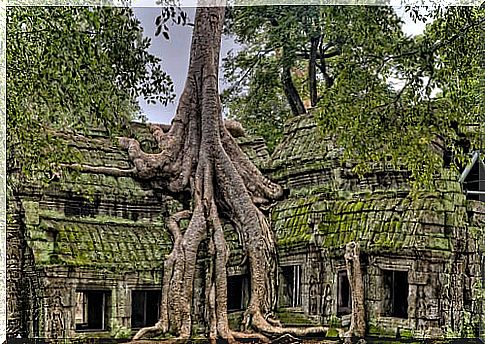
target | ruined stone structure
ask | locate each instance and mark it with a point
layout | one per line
(421, 253)
(85, 253)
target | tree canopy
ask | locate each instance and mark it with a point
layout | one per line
(436, 101)
(293, 55)
(344, 60)
(72, 69)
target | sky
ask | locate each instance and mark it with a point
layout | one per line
(175, 54)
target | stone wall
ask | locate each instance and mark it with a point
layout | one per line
(89, 231)
(475, 266)
(430, 236)
(23, 280)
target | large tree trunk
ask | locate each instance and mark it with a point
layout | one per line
(198, 154)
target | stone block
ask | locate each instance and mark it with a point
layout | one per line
(31, 210)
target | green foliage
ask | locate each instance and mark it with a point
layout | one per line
(412, 125)
(73, 69)
(264, 110)
(118, 331)
(349, 38)
(390, 98)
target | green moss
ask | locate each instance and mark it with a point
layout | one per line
(332, 333)
(294, 318)
(374, 329)
(31, 210)
(103, 242)
(335, 321)
(406, 333)
(235, 320)
(439, 244)
(379, 331)
(358, 206)
(383, 221)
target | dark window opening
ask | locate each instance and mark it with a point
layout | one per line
(474, 183)
(134, 216)
(344, 296)
(291, 286)
(79, 206)
(461, 141)
(448, 158)
(145, 305)
(237, 292)
(396, 290)
(91, 309)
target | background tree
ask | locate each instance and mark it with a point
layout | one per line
(73, 69)
(301, 51)
(383, 95)
(437, 99)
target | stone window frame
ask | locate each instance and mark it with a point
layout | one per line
(105, 319)
(398, 265)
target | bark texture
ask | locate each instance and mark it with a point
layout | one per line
(199, 154)
(354, 273)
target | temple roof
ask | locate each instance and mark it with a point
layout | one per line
(309, 158)
(387, 221)
(97, 242)
(98, 220)
(329, 205)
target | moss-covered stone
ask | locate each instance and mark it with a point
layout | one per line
(291, 317)
(31, 210)
(100, 241)
(381, 221)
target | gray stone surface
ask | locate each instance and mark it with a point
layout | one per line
(95, 232)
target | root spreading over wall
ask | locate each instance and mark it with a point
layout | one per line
(199, 155)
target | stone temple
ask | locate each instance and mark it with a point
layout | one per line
(86, 251)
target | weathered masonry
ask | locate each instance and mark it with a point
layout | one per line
(421, 254)
(85, 253)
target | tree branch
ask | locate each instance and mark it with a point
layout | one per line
(291, 93)
(312, 71)
(334, 53)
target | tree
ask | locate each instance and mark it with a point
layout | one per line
(438, 98)
(300, 51)
(200, 157)
(72, 69)
(385, 96)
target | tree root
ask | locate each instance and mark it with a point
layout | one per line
(243, 335)
(263, 326)
(111, 171)
(354, 272)
(155, 330)
(199, 153)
